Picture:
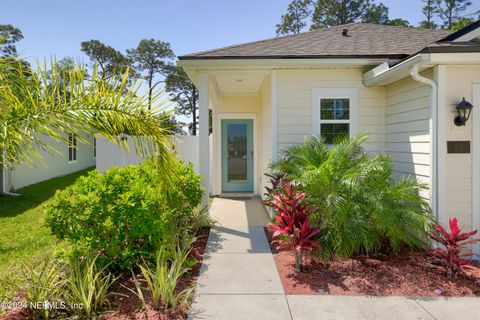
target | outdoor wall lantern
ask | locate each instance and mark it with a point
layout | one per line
(464, 109)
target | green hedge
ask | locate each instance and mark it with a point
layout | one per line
(124, 214)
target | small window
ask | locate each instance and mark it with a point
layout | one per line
(72, 147)
(94, 148)
(334, 119)
(334, 113)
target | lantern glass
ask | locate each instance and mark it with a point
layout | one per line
(464, 109)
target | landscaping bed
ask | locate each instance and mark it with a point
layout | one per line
(131, 307)
(131, 251)
(127, 306)
(403, 274)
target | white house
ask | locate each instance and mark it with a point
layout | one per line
(399, 85)
(70, 158)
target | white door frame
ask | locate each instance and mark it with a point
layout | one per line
(218, 147)
(476, 161)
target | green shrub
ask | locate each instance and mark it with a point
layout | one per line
(360, 207)
(123, 214)
(185, 191)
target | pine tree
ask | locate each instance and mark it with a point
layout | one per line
(450, 11)
(429, 10)
(293, 21)
(328, 13)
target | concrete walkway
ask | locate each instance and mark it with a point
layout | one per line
(239, 280)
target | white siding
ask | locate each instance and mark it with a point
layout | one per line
(407, 129)
(265, 140)
(56, 165)
(459, 80)
(295, 104)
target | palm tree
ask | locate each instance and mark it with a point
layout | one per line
(53, 101)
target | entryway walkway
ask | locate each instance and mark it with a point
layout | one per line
(239, 280)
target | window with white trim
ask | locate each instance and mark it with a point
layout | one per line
(72, 147)
(94, 148)
(334, 119)
(334, 113)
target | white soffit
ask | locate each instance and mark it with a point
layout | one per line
(239, 83)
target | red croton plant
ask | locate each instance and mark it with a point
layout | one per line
(455, 243)
(292, 224)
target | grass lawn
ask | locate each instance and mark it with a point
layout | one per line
(23, 238)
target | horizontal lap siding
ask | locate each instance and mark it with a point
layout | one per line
(407, 129)
(294, 110)
(459, 167)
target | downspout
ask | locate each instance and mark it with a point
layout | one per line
(433, 132)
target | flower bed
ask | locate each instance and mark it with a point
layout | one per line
(402, 274)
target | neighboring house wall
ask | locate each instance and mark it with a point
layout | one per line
(55, 164)
(295, 104)
(407, 129)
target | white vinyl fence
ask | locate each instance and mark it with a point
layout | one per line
(186, 147)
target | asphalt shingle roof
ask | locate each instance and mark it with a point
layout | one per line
(363, 40)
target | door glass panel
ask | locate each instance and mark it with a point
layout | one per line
(237, 152)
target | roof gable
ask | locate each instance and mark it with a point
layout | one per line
(468, 33)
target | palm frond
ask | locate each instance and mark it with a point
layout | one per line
(42, 102)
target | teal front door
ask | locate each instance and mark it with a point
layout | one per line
(237, 155)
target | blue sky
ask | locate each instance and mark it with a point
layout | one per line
(56, 27)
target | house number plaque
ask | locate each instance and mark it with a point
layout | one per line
(458, 146)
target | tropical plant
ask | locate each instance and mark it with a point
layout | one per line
(292, 223)
(170, 265)
(359, 206)
(123, 215)
(87, 285)
(455, 243)
(42, 287)
(39, 102)
(138, 292)
(276, 183)
(199, 218)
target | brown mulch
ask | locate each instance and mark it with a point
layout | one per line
(128, 306)
(403, 274)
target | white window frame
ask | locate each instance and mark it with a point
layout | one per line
(71, 146)
(334, 93)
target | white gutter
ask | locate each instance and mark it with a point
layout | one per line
(383, 74)
(433, 132)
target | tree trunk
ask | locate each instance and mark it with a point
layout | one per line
(298, 260)
(150, 80)
(194, 111)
